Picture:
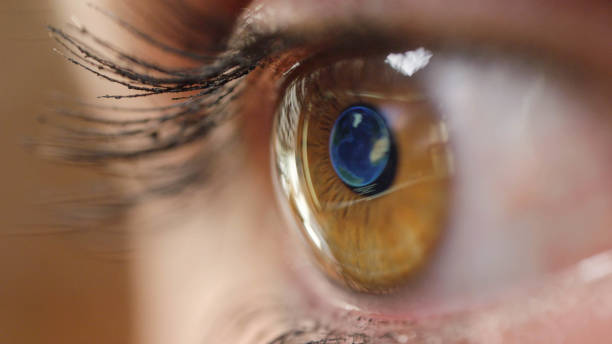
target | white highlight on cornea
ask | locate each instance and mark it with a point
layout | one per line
(409, 62)
(357, 117)
(381, 147)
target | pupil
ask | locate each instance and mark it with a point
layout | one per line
(362, 150)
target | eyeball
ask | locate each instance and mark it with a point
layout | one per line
(364, 164)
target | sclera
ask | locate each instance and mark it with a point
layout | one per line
(370, 243)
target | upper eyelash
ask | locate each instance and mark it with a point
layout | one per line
(216, 84)
(88, 134)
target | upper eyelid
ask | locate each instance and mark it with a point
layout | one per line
(544, 28)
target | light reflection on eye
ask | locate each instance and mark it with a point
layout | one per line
(496, 211)
(409, 62)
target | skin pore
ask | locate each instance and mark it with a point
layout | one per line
(218, 264)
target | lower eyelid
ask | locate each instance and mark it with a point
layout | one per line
(542, 313)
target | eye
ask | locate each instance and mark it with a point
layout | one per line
(371, 180)
(441, 175)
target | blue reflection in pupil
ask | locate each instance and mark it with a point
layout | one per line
(361, 148)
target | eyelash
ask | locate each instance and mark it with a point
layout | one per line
(165, 153)
(203, 100)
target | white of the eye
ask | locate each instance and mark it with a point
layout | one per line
(409, 62)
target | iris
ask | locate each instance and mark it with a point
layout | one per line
(362, 151)
(365, 170)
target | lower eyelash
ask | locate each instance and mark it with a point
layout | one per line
(366, 330)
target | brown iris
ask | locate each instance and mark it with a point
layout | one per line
(371, 242)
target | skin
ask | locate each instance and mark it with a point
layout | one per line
(224, 269)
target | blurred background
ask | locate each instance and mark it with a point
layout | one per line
(55, 285)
